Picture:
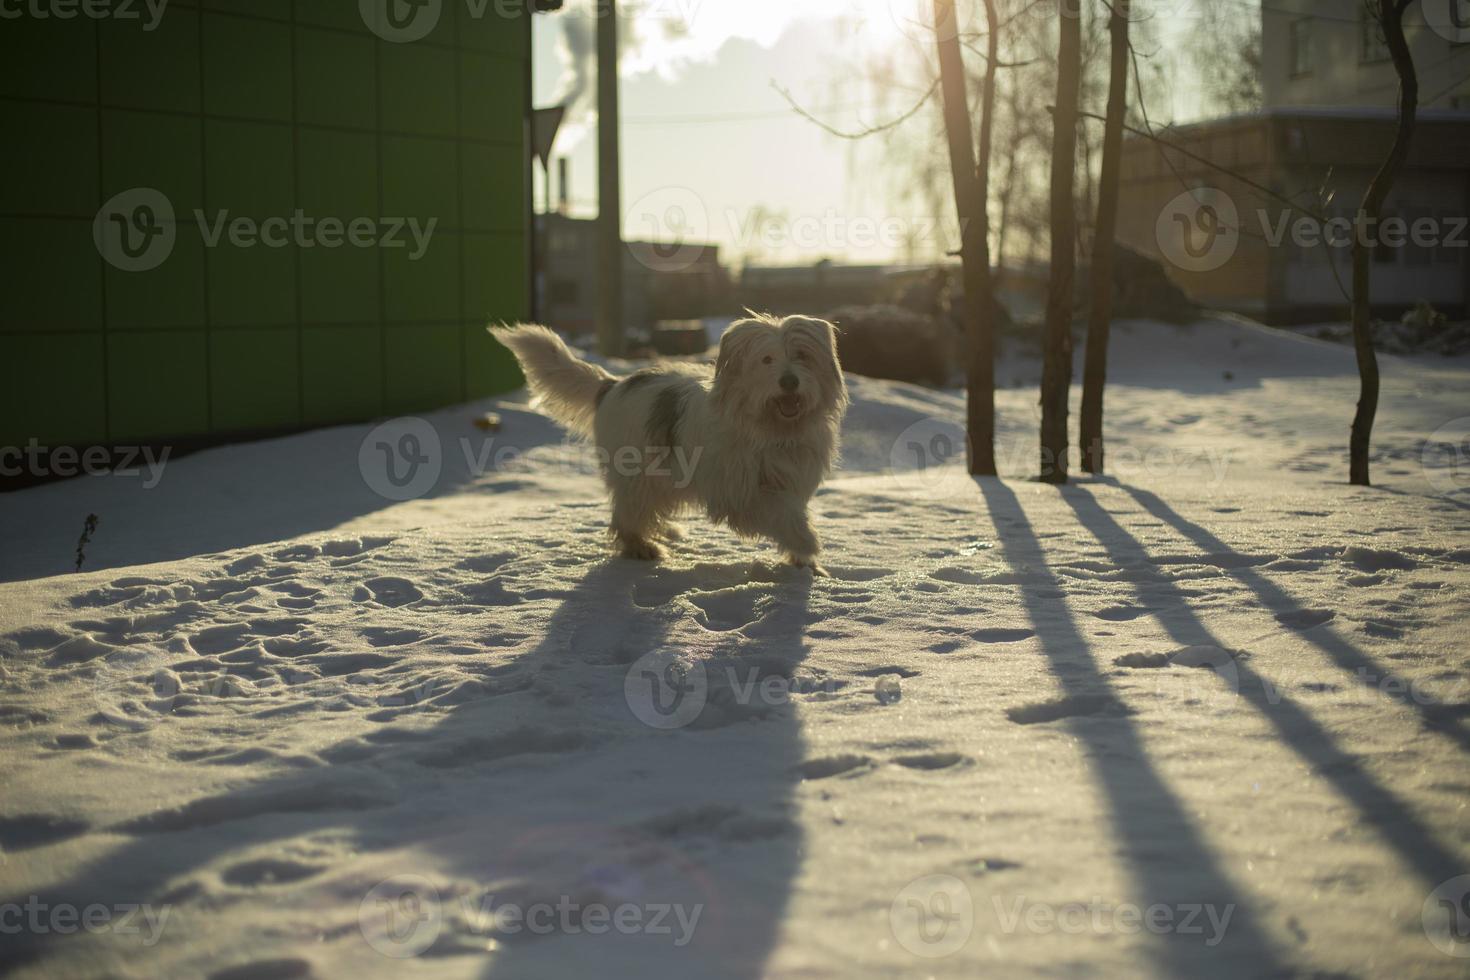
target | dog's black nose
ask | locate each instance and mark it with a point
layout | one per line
(789, 381)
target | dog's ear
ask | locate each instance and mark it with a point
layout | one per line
(824, 335)
(733, 344)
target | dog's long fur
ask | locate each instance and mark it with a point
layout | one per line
(752, 442)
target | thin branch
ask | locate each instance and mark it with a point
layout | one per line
(970, 46)
(861, 134)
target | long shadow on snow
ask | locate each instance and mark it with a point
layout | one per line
(1395, 822)
(480, 797)
(1169, 860)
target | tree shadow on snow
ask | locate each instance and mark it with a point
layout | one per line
(1395, 821)
(1170, 862)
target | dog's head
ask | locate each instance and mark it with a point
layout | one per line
(780, 373)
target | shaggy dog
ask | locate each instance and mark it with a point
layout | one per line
(748, 446)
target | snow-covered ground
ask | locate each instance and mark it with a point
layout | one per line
(1207, 717)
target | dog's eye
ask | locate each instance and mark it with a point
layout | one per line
(767, 359)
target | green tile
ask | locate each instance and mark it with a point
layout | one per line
(330, 13)
(418, 89)
(169, 295)
(247, 67)
(339, 173)
(150, 149)
(495, 25)
(253, 380)
(339, 285)
(335, 79)
(492, 98)
(342, 372)
(251, 286)
(157, 385)
(249, 169)
(53, 275)
(49, 58)
(157, 69)
(56, 394)
(423, 367)
(49, 165)
(495, 278)
(427, 23)
(490, 369)
(274, 9)
(493, 187)
(423, 288)
(420, 179)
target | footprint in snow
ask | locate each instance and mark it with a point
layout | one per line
(389, 591)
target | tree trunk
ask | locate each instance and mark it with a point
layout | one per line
(609, 184)
(1100, 313)
(1390, 14)
(970, 206)
(1056, 369)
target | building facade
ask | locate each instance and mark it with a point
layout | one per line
(1225, 233)
(251, 217)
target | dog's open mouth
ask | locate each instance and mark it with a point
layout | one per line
(788, 406)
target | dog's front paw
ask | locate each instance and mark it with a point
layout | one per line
(641, 549)
(809, 562)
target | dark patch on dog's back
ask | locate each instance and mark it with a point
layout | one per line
(640, 378)
(666, 413)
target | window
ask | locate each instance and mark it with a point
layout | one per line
(1301, 47)
(1372, 46)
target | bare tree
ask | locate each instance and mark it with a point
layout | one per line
(971, 189)
(1389, 15)
(1056, 366)
(1100, 312)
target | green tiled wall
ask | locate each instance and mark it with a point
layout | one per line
(257, 108)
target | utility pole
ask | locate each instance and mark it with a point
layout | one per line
(609, 195)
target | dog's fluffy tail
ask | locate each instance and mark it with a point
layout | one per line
(565, 387)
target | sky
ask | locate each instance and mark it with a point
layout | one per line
(713, 151)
